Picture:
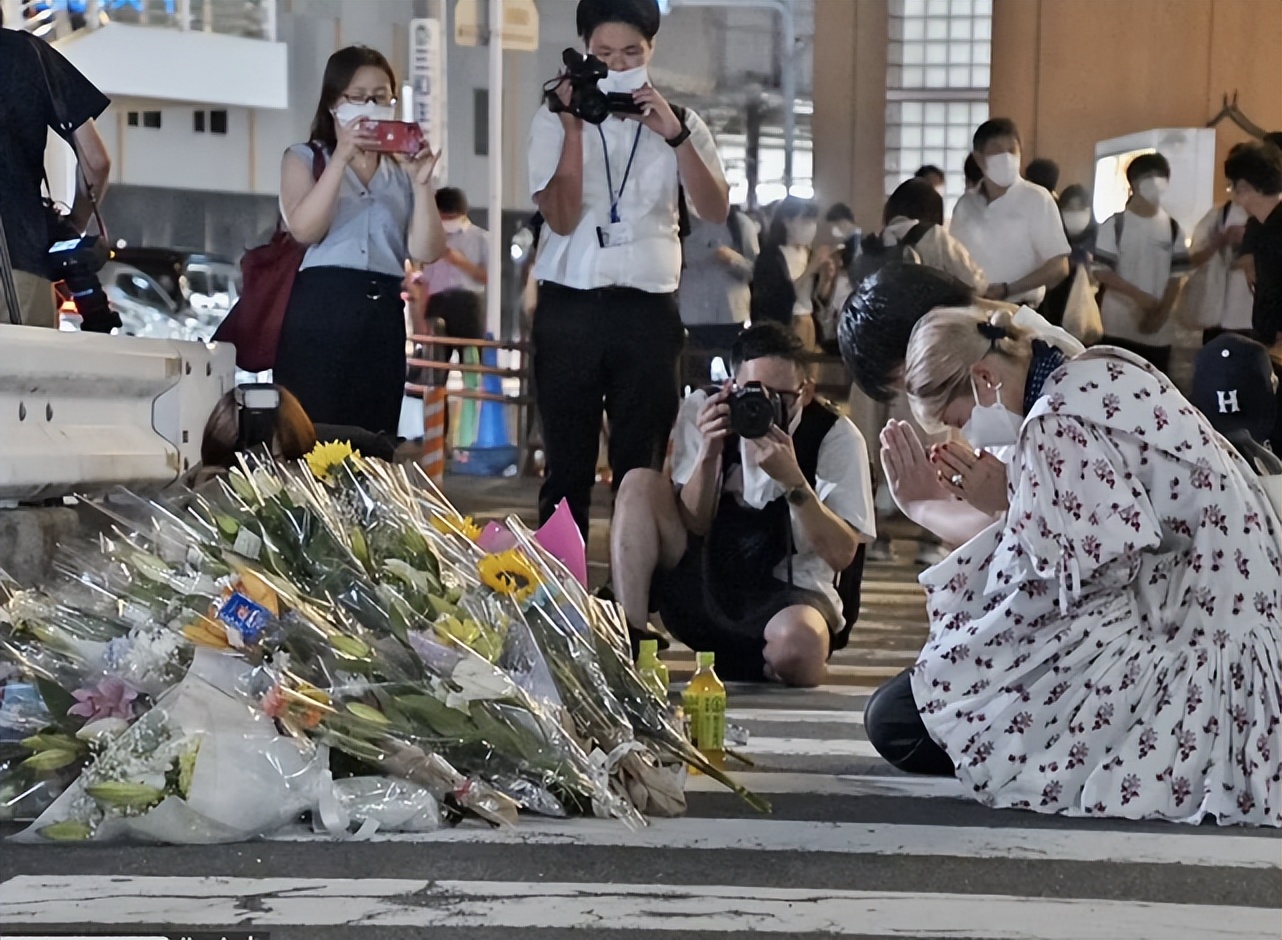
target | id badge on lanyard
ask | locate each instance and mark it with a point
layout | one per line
(617, 233)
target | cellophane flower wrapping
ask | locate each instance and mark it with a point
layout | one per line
(222, 642)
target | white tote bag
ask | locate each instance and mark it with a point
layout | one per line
(1081, 310)
(1200, 304)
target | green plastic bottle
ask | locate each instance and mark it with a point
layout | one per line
(653, 672)
(705, 705)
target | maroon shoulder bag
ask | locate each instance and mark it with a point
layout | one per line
(268, 271)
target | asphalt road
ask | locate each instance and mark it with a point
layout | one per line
(852, 849)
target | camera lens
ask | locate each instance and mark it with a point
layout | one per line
(591, 104)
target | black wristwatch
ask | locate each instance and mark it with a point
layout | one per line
(675, 142)
(798, 495)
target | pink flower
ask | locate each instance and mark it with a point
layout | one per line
(110, 698)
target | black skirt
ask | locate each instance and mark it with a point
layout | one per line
(342, 347)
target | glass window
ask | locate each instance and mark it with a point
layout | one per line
(937, 84)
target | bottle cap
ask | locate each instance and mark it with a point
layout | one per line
(649, 647)
(706, 659)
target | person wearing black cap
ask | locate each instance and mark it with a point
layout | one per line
(1234, 386)
(607, 332)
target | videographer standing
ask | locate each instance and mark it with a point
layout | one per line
(607, 332)
(27, 112)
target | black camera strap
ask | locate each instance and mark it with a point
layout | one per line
(67, 133)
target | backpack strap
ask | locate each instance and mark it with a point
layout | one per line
(1175, 231)
(916, 234)
(683, 212)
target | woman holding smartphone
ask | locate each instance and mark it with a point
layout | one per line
(342, 345)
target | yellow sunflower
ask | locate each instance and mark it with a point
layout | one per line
(463, 525)
(326, 456)
(510, 573)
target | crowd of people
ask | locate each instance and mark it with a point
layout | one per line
(1104, 590)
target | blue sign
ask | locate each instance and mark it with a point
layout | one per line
(244, 616)
(82, 6)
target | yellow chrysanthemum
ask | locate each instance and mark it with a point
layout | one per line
(464, 525)
(510, 573)
(328, 455)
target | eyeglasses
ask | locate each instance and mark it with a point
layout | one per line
(382, 98)
(787, 398)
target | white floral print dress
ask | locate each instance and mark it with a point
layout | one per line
(1112, 647)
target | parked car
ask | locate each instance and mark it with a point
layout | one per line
(145, 308)
(202, 281)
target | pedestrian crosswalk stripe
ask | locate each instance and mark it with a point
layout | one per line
(799, 715)
(810, 747)
(846, 838)
(836, 785)
(459, 905)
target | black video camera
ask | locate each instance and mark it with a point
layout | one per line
(754, 410)
(587, 101)
(76, 262)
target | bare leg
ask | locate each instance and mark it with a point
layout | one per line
(646, 535)
(797, 647)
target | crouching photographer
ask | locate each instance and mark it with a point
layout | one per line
(753, 549)
(609, 158)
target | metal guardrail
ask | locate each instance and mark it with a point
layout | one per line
(436, 361)
(58, 19)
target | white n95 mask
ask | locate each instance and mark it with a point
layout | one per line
(626, 81)
(991, 426)
(1002, 169)
(350, 111)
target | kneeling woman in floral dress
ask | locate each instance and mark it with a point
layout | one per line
(1111, 647)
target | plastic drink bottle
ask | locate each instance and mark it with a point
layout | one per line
(653, 672)
(705, 705)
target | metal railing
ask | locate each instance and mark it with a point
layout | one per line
(435, 360)
(58, 19)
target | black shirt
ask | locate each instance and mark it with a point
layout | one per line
(26, 113)
(1263, 241)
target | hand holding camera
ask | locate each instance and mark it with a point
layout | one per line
(576, 92)
(714, 422)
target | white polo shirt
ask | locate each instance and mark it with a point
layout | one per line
(1012, 236)
(1151, 252)
(651, 262)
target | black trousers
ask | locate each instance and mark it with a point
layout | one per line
(613, 349)
(1158, 356)
(342, 347)
(895, 729)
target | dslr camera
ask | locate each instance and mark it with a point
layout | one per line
(587, 101)
(754, 410)
(76, 262)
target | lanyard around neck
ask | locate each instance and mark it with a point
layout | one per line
(615, 199)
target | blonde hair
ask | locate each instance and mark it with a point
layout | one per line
(295, 436)
(944, 347)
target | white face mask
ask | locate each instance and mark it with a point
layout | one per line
(992, 425)
(453, 226)
(630, 80)
(1152, 189)
(349, 111)
(802, 232)
(1002, 169)
(1076, 220)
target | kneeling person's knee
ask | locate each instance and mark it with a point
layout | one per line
(797, 646)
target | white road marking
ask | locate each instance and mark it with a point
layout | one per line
(845, 838)
(809, 747)
(457, 905)
(798, 715)
(836, 785)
